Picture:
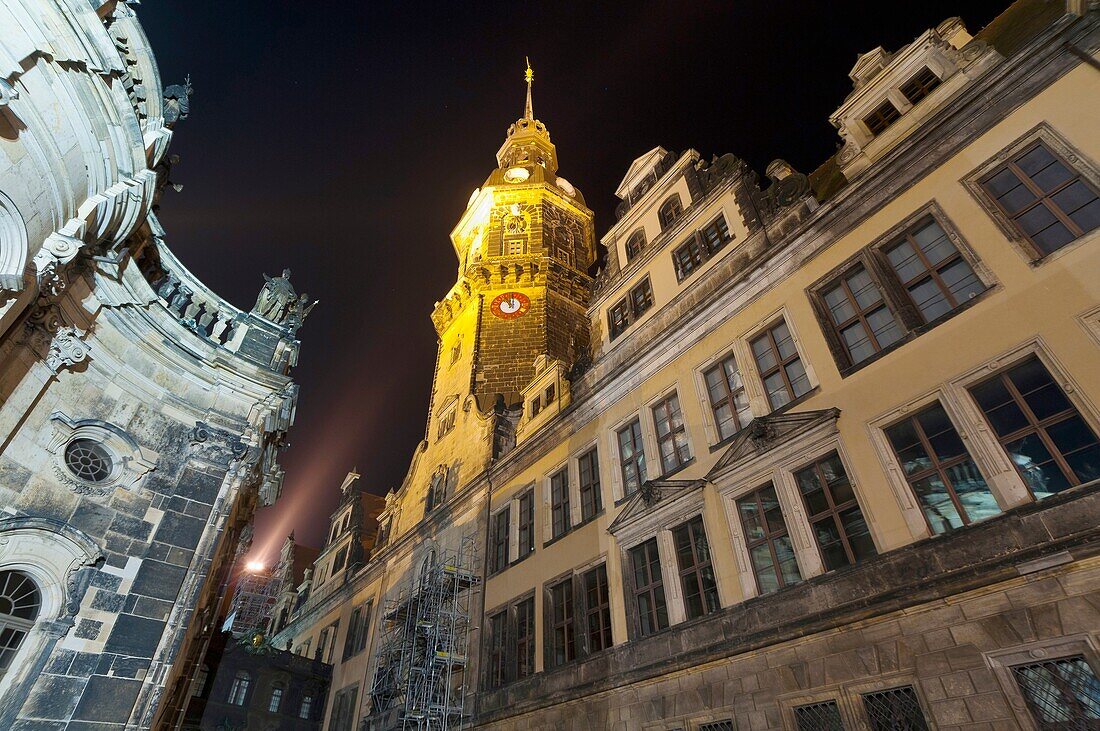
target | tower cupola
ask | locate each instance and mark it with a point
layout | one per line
(527, 144)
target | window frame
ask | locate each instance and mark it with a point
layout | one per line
(766, 331)
(730, 397)
(924, 85)
(559, 507)
(650, 589)
(662, 402)
(560, 615)
(834, 509)
(876, 120)
(894, 292)
(695, 571)
(635, 244)
(597, 618)
(769, 536)
(1003, 661)
(525, 548)
(664, 216)
(592, 507)
(499, 548)
(633, 424)
(1085, 167)
(628, 310)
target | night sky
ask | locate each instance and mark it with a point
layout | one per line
(343, 138)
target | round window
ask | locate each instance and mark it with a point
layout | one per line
(88, 460)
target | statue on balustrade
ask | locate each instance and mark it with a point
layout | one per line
(276, 298)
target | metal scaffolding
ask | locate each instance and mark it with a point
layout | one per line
(419, 681)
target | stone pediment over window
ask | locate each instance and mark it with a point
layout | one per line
(654, 500)
(765, 433)
(639, 169)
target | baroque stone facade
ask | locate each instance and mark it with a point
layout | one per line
(822, 454)
(141, 415)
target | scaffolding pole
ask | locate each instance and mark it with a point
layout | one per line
(422, 656)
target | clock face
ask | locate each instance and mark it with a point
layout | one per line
(510, 305)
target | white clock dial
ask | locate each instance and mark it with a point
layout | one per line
(509, 306)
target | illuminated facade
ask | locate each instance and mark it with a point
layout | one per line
(826, 456)
(141, 415)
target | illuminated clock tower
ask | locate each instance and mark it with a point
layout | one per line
(524, 244)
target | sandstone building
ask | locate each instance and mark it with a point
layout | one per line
(140, 414)
(818, 452)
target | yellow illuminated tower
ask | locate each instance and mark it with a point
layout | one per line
(524, 244)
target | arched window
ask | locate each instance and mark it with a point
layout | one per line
(239, 690)
(670, 210)
(635, 244)
(19, 605)
(276, 698)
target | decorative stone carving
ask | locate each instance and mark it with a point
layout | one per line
(277, 298)
(177, 102)
(651, 493)
(67, 349)
(60, 346)
(7, 93)
(788, 186)
(130, 462)
(215, 445)
(57, 251)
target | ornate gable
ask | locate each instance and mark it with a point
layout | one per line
(647, 499)
(766, 432)
(638, 170)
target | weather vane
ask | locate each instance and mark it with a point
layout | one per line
(529, 75)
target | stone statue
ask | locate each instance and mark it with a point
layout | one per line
(298, 310)
(276, 298)
(177, 102)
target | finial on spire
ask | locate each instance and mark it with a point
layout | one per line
(528, 76)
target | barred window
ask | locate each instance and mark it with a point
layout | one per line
(842, 535)
(498, 557)
(696, 572)
(767, 540)
(563, 639)
(597, 603)
(896, 709)
(672, 438)
(670, 210)
(589, 468)
(717, 726)
(276, 698)
(649, 589)
(951, 491)
(631, 457)
(726, 393)
(822, 716)
(882, 117)
(526, 523)
(1045, 436)
(920, 86)
(559, 503)
(1060, 694)
(635, 244)
(1044, 198)
(780, 365)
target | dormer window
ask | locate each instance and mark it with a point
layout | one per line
(536, 406)
(670, 210)
(883, 116)
(635, 244)
(920, 85)
(549, 395)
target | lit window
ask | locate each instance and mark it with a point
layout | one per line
(238, 692)
(1044, 197)
(276, 699)
(306, 708)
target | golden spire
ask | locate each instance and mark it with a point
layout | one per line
(529, 76)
